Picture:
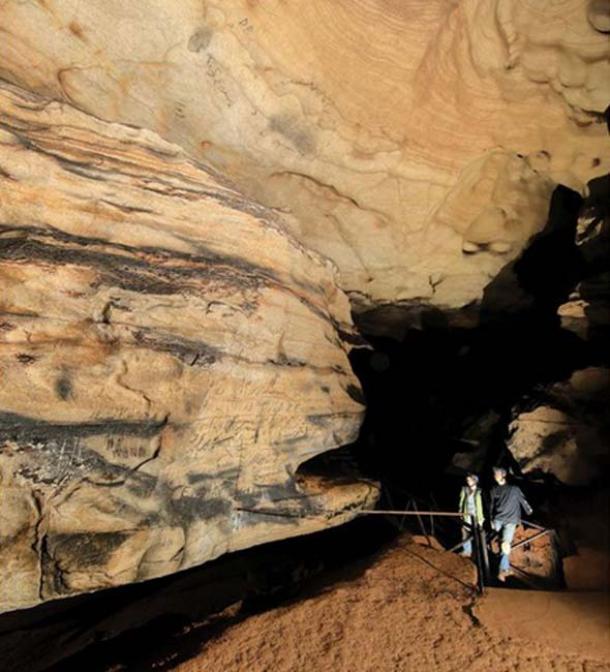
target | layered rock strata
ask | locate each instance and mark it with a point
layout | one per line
(169, 356)
(416, 141)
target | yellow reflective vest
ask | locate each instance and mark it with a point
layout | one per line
(478, 504)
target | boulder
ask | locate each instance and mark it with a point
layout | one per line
(169, 356)
(564, 432)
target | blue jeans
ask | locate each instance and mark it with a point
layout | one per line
(467, 531)
(467, 545)
(507, 532)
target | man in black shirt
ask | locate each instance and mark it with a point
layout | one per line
(506, 504)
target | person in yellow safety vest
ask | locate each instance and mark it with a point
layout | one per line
(471, 508)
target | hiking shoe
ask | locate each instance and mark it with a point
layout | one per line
(502, 576)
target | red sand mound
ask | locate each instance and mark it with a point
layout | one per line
(410, 611)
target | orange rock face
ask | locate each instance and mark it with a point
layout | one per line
(172, 347)
(417, 142)
(169, 355)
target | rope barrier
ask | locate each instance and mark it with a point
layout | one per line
(530, 539)
(477, 535)
(410, 513)
(359, 512)
(527, 523)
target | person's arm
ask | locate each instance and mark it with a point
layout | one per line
(524, 503)
(492, 503)
(461, 504)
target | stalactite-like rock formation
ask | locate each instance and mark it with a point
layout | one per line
(169, 355)
(416, 141)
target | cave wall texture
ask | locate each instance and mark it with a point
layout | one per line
(401, 133)
(173, 346)
(169, 356)
(567, 432)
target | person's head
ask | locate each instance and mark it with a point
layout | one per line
(500, 475)
(472, 481)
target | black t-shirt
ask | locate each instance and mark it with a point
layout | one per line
(506, 503)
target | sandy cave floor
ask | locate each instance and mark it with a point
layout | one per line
(414, 609)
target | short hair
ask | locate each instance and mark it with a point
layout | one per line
(500, 470)
(473, 476)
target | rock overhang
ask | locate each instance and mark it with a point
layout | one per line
(421, 165)
(170, 355)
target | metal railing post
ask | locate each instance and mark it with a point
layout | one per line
(478, 554)
(484, 553)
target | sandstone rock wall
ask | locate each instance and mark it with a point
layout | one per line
(417, 141)
(169, 355)
(566, 432)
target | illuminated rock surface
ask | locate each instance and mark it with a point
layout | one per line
(416, 141)
(565, 434)
(169, 355)
(172, 350)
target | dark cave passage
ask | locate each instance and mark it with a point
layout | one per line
(441, 389)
